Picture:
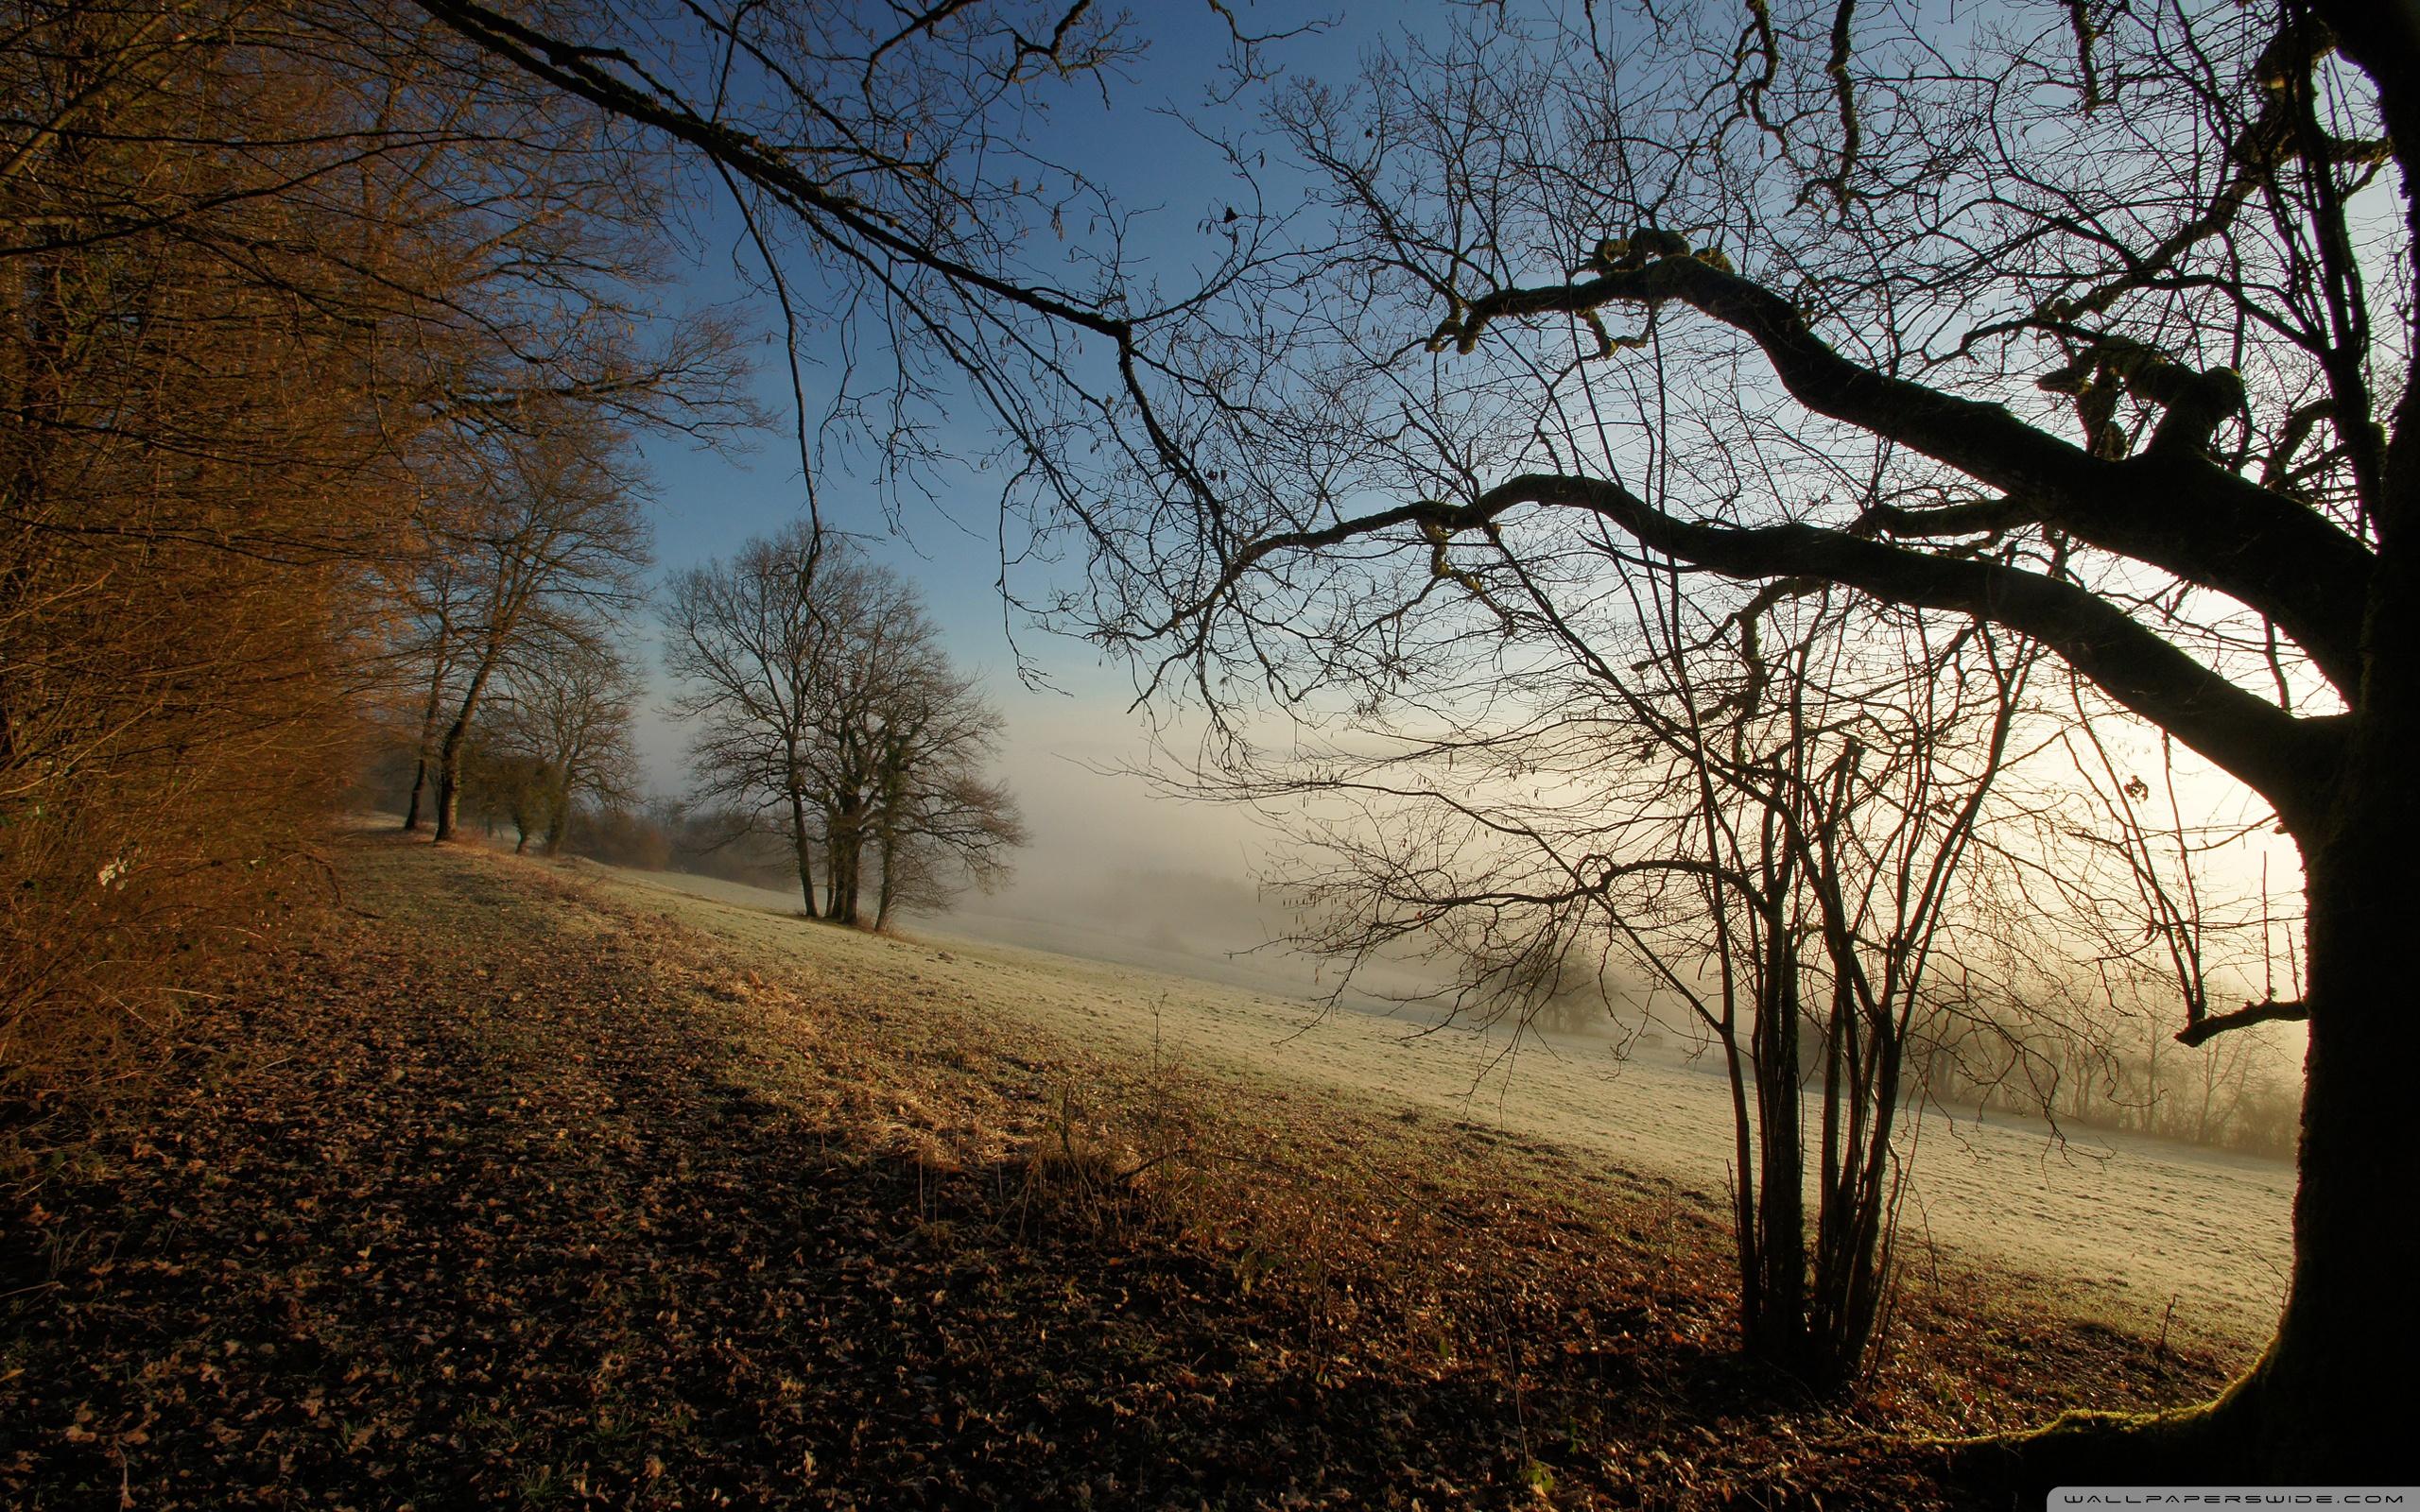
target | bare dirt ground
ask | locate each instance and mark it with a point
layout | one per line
(519, 1185)
(2129, 1230)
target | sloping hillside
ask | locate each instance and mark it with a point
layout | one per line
(508, 1188)
(2122, 1228)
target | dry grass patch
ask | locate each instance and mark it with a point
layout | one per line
(521, 1194)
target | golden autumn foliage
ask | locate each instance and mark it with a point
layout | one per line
(269, 272)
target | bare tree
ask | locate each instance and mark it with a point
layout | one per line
(1824, 839)
(938, 823)
(568, 707)
(552, 544)
(433, 645)
(824, 699)
(1755, 805)
(2093, 332)
(750, 643)
(500, 784)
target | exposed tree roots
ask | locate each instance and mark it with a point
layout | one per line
(2228, 1440)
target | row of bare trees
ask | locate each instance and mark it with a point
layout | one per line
(826, 710)
(519, 586)
(276, 284)
(2128, 1075)
(555, 742)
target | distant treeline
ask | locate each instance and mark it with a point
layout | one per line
(2126, 1074)
(649, 834)
(2238, 1091)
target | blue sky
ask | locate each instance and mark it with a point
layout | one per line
(1136, 146)
(709, 502)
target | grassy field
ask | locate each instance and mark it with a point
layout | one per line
(2125, 1229)
(521, 1185)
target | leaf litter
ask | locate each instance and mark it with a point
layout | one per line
(500, 1191)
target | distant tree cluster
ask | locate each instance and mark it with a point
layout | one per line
(670, 834)
(518, 585)
(2093, 1048)
(827, 707)
(552, 747)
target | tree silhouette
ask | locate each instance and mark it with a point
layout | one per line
(2087, 321)
(824, 700)
(2092, 333)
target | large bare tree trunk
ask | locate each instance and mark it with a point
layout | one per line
(557, 810)
(887, 853)
(2331, 1399)
(2336, 1389)
(449, 754)
(449, 779)
(420, 785)
(843, 853)
(804, 848)
(1774, 1325)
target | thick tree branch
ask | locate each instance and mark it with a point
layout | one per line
(2182, 513)
(2382, 38)
(1968, 518)
(583, 72)
(2289, 761)
(2209, 1026)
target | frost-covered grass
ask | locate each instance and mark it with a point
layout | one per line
(2143, 1233)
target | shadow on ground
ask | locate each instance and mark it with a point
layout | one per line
(496, 1195)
